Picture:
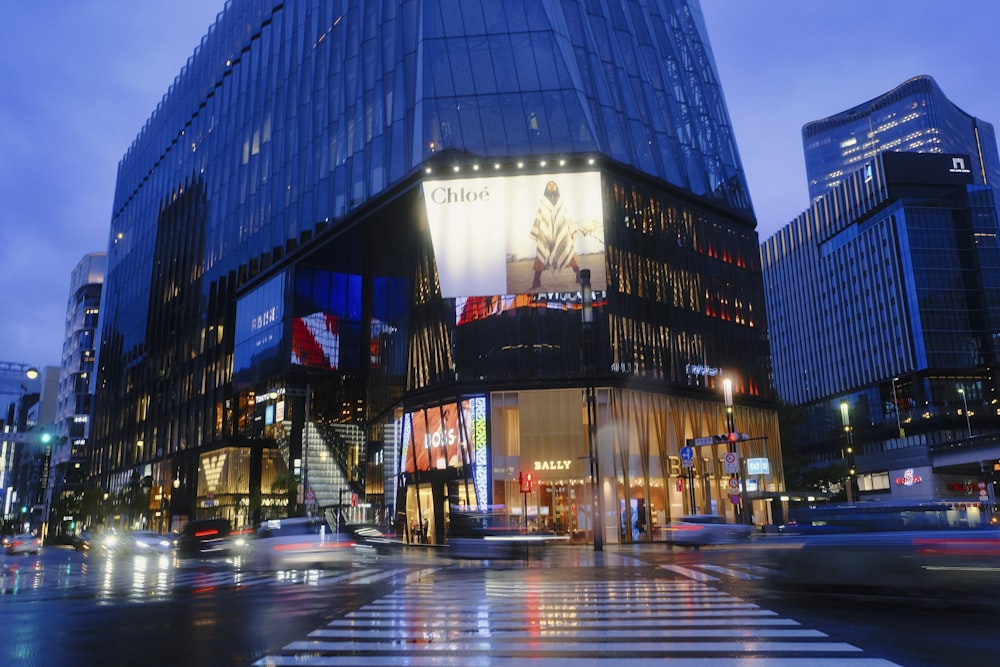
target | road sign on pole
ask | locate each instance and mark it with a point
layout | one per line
(687, 457)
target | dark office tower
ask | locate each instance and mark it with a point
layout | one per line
(915, 117)
(348, 261)
(884, 307)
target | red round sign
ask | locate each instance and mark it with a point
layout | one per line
(735, 499)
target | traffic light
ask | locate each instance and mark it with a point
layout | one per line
(46, 437)
(525, 482)
(729, 437)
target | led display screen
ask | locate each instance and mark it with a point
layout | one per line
(437, 438)
(449, 436)
(516, 234)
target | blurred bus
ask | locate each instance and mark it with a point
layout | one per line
(878, 516)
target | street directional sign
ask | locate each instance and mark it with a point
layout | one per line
(687, 457)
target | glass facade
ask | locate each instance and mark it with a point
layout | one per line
(884, 295)
(273, 276)
(914, 117)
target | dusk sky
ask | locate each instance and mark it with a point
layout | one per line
(82, 77)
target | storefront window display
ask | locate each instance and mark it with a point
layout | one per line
(543, 433)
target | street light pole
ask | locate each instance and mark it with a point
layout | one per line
(846, 419)
(895, 407)
(587, 319)
(727, 394)
(965, 407)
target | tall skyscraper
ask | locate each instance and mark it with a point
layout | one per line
(347, 261)
(69, 464)
(914, 117)
(884, 310)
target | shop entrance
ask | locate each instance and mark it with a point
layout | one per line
(428, 507)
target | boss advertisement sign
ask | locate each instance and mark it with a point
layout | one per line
(516, 234)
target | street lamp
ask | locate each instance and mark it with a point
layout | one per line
(895, 407)
(587, 320)
(846, 419)
(727, 395)
(965, 407)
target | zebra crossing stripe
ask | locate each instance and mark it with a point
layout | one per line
(688, 572)
(532, 647)
(652, 622)
(533, 634)
(637, 623)
(500, 661)
(737, 574)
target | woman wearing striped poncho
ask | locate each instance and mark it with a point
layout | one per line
(553, 236)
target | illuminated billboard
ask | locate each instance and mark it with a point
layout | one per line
(474, 308)
(453, 435)
(437, 438)
(516, 234)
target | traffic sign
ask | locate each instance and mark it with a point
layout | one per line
(735, 499)
(730, 463)
(758, 466)
(687, 457)
(734, 483)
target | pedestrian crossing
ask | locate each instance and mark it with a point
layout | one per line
(502, 619)
(710, 572)
(140, 580)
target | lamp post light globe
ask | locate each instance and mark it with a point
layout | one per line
(846, 420)
(965, 409)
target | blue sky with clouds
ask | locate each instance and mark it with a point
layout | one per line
(81, 78)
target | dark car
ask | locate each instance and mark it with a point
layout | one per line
(945, 551)
(205, 538)
(485, 535)
(369, 536)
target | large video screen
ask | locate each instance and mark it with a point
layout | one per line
(516, 234)
(453, 435)
(437, 438)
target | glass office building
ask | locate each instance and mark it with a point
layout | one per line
(885, 296)
(346, 260)
(914, 117)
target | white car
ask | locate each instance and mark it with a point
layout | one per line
(696, 530)
(146, 542)
(23, 544)
(300, 543)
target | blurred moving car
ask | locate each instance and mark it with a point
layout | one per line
(698, 530)
(488, 535)
(205, 538)
(300, 543)
(368, 536)
(944, 551)
(82, 541)
(146, 542)
(26, 543)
